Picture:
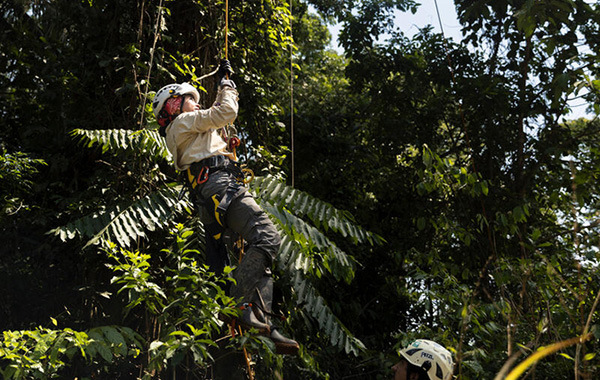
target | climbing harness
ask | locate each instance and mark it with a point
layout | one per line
(198, 174)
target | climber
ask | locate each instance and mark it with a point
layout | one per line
(423, 360)
(213, 178)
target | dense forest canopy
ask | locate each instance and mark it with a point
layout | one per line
(439, 190)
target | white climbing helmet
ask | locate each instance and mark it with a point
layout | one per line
(170, 90)
(431, 357)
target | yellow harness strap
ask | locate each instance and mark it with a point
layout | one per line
(217, 214)
(191, 178)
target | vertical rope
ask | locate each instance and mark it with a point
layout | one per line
(440, 20)
(464, 124)
(248, 365)
(292, 89)
(240, 241)
(447, 52)
(226, 26)
(158, 18)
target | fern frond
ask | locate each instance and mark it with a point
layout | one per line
(321, 213)
(124, 224)
(293, 263)
(332, 259)
(306, 251)
(144, 141)
(315, 305)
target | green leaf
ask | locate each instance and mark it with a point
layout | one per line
(104, 352)
(128, 223)
(566, 356)
(118, 141)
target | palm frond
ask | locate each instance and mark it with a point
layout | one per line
(306, 252)
(316, 306)
(321, 213)
(320, 253)
(144, 141)
(293, 264)
(123, 224)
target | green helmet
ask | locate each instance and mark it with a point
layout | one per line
(431, 357)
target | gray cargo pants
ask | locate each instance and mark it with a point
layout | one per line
(245, 217)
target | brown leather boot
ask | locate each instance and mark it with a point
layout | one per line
(249, 320)
(283, 345)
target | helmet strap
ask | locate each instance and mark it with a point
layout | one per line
(184, 97)
(415, 373)
(164, 119)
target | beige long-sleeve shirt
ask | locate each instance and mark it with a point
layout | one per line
(193, 136)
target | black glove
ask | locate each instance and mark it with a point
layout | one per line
(224, 69)
(227, 82)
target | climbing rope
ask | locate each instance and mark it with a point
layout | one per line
(463, 122)
(292, 89)
(156, 34)
(226, 26)
(246, 356)
(229, 134)
(233, 332)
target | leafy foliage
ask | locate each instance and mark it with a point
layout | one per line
(125, 224)
(44, 353)
(16, 173)
(184, 305)
(482, 197)
(143, 141)
(305, 250)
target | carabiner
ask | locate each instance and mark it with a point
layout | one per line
(203, 175)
